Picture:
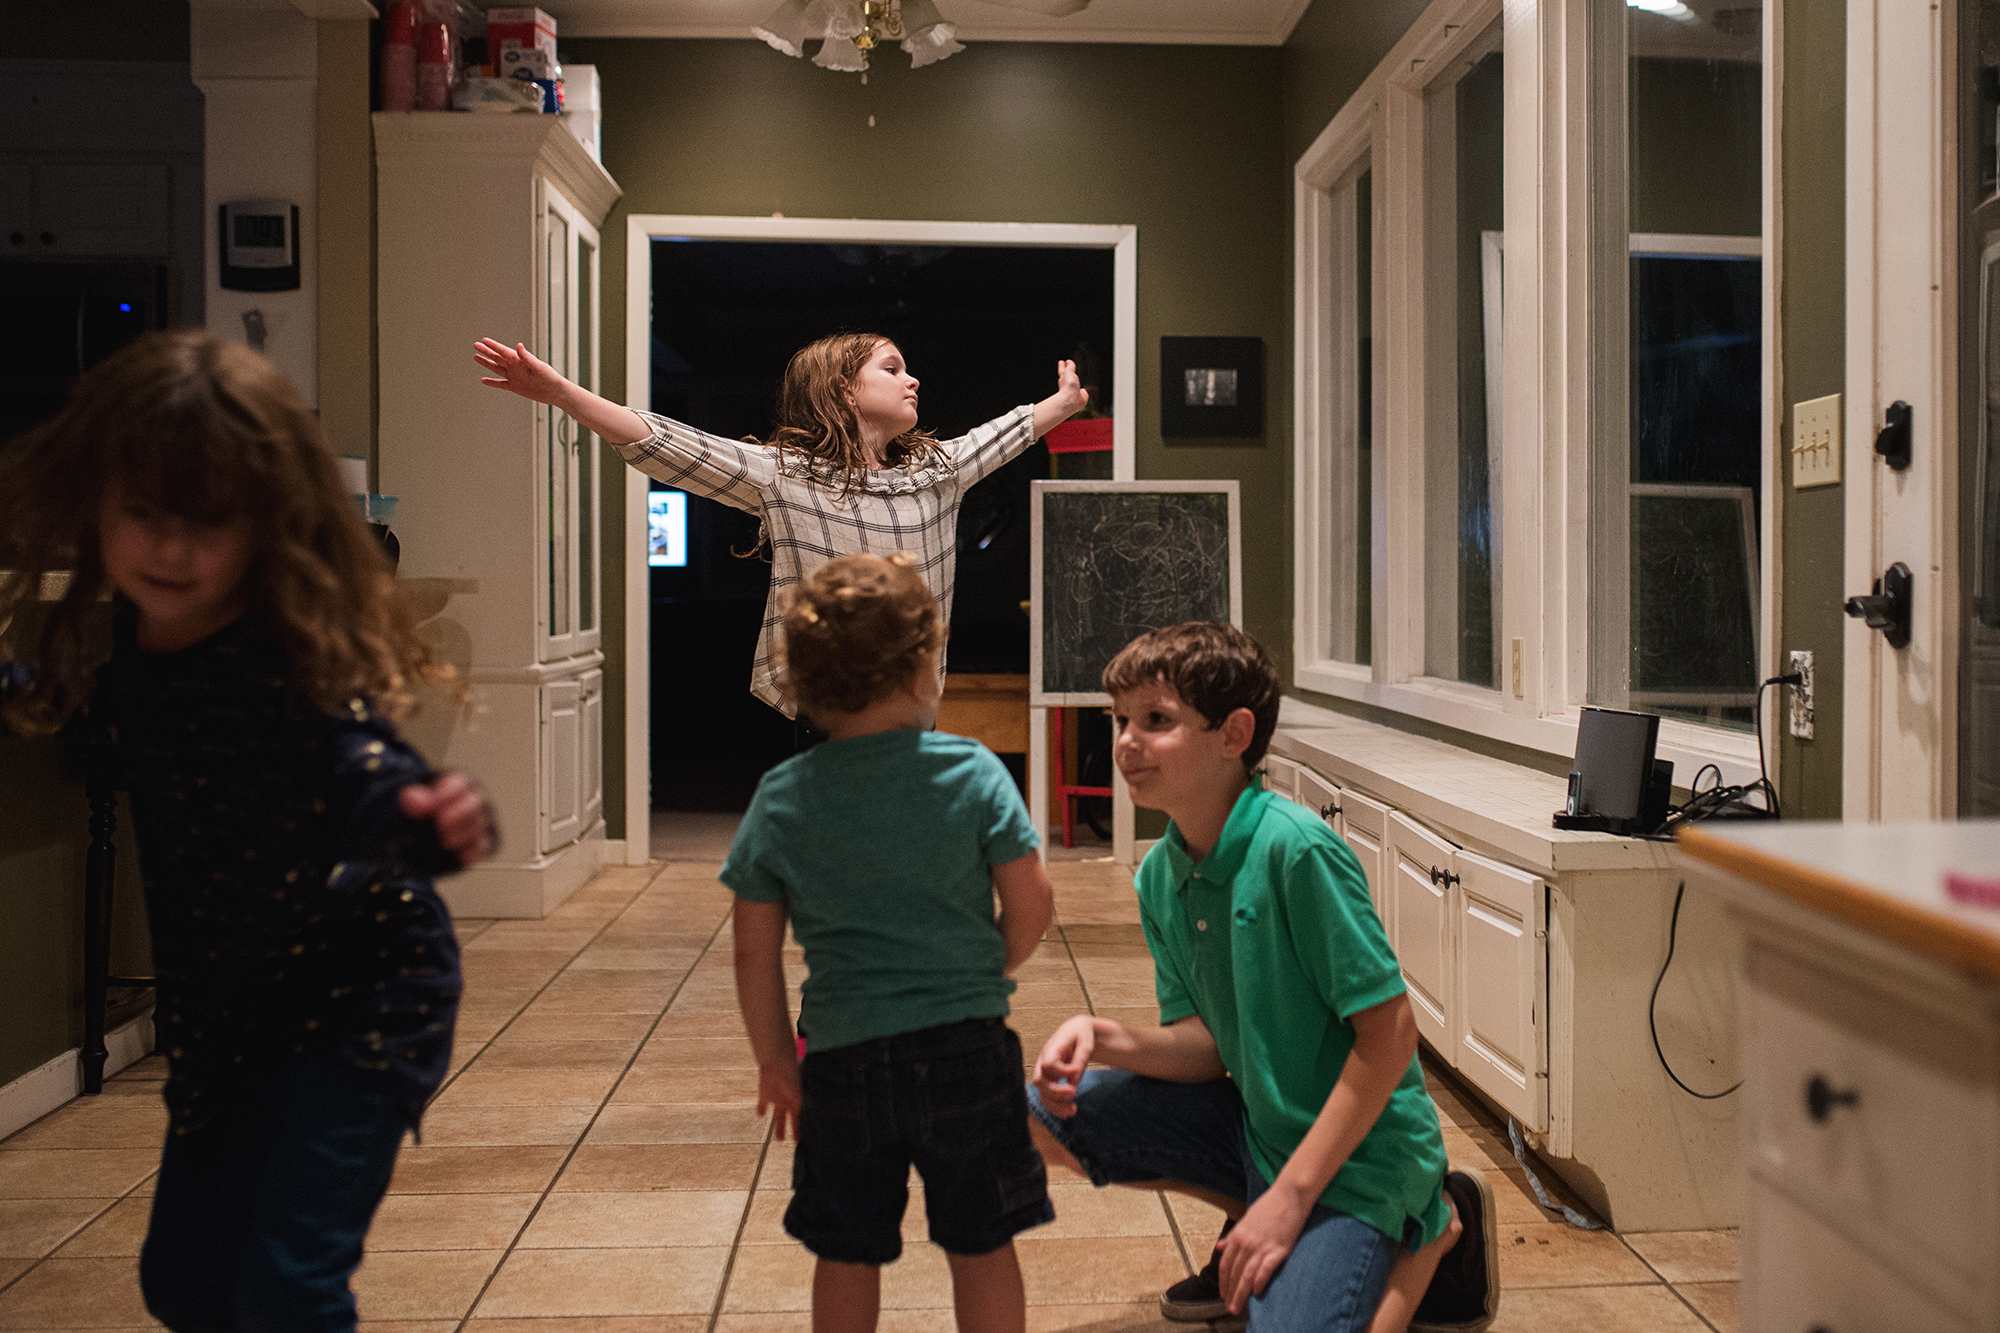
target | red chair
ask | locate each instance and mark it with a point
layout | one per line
(1066, 792)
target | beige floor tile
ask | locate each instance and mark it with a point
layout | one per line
(509, 1170)
(97, 1122)
(13, 1268)
(1479, 1147)
(1112, 1269)
(76, 1293)
(407, 1326)
(1555, 1254)
(696, 1053)
(769, 1277)
(1713, 1301)
(1200, 1224)
(138, 1089)
(920, 1280)
(421, 1284)
(527, 1087)
(1050, 995)
(457, 1126)
(537, 1026)
(1143, 1317)
(1514, 1201)
(30, 1228)
(1643, 1309)
(717, 1027)
(74, 1174)
(668, 1123)
(611, 1323)
(625, 1220)
(660, 985)
(120, 1232)
(150, 1067)
(1689, 1256)
(645, 1000)
(776, 1172)
(764, 1224)
(449, 1221)
(619, 1168)
(1082, 1210)
(534, 1283)
(513, 1056)
(653, 1084)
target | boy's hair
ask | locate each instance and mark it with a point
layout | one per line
(816, 417)
(1216, 669)
(205, 431)
(855, 630)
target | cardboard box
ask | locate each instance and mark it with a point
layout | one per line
(518, 30)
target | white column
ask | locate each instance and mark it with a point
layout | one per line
(258, 70)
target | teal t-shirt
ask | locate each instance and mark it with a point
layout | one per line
(1272, 940)
(882, 848)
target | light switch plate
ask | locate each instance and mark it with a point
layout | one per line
(1816, 442)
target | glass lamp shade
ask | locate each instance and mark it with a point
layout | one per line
(844, 21)
(785, 30)
(929, 37)
(842, 54)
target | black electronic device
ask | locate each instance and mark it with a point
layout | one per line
(1615, 784)
(259, 246)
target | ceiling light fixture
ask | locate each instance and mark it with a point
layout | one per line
(851, 29)
(1672, 9)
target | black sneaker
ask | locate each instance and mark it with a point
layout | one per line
(1464, 1295)
(1198, 1299)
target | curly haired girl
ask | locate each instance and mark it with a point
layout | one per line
(308, 974)
(846, 470)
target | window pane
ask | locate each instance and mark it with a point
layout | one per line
(1463, 250)
(1676, 546)
(1364, 423)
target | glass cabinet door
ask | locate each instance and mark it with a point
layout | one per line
(586, 444)
(568, 470)
(558, 464)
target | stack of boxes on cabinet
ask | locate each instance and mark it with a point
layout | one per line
(487, 225)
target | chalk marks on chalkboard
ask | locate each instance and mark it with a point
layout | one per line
(1116, 559)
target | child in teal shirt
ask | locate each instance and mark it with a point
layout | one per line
(1282, 1084)
(886, 846)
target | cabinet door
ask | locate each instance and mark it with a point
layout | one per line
(1318, 795)
(1502, 947)
(16, 211)
(556, 477)
(592, 761)
(1282, 777)
(1364, 822)
(562, 761)
(1420, 890)
(113, 208)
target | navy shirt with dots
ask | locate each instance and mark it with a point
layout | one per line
(290, 900)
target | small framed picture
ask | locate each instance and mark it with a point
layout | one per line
(1212, 388)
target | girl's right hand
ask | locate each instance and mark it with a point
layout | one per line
(518, 370)
(1061, 1064)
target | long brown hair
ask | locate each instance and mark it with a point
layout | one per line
(816, 417)
(204, 430)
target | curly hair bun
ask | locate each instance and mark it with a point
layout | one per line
(856, 629)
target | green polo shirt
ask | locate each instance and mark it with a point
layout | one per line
(1273, 941)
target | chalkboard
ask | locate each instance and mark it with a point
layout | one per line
(1110, 560)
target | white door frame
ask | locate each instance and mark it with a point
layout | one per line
(1900, 715)
(641, 229)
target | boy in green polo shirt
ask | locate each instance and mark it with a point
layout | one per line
(1282, 1085)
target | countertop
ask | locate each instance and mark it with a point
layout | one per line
(1886, 879)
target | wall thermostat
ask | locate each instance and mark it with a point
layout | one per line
(260, 246)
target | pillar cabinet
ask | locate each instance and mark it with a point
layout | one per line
(488, 227)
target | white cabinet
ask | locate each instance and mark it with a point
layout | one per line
(1420, 891)
(63, 210)
(488, 227)
(1500, 1039)
(1364, 822)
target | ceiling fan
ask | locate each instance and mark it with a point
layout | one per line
(851, 29)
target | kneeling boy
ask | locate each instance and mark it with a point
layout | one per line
(1282, 1085)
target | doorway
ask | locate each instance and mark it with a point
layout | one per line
(982, 325)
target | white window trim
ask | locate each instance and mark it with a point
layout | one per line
(1547, 396)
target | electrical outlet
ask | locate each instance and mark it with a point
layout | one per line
(1816, 442)
(1802, 695)
(1517, 669)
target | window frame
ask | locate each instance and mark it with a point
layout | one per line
(1562, 248)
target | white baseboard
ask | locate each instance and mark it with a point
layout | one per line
(524, 890)
(40, 1091)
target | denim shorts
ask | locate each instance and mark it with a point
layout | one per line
(1130, 1129)
(947, 1100)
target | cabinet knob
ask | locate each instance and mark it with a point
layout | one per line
(1327, 812)
(48, 238)
(1822, 1097)
(18, 239)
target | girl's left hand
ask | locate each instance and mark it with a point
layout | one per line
(1069, 390)
(458, 806)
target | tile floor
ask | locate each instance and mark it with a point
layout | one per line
(594, 1164)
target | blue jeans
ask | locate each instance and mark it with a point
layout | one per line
(259, 1214)
(1129, 1129)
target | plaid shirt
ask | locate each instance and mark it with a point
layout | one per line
(807, 522)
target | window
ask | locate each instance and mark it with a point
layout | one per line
(1534, 436)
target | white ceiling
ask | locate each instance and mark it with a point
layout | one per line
(1219, 22)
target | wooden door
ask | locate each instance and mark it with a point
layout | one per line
(1502, 1030)
(1364, 822)
(1419, 864)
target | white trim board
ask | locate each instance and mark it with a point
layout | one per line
(55, 1084)
(640, 231)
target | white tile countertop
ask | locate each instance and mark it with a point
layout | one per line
(1501, 808)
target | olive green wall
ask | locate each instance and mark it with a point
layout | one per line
(1183, 142)
(99, 30)
(345, 215)
(1334, 47)
(1812, 314)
